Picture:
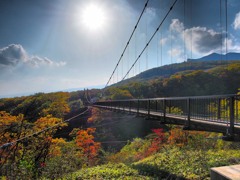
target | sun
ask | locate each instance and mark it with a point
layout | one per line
(93, 17)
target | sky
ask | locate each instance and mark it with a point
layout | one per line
(54, 45)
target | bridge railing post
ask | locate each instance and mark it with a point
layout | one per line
(188, 111)
(164, 109)
(169, 108)
(138, 107)
(119, 105)
(156, 105)
(148, 109)
(129, 106)
(231, 115)
(219, 109)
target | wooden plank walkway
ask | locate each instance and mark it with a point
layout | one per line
(226, 173)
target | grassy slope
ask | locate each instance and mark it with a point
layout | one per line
(107, 171)
(190, 164)
(187, 162)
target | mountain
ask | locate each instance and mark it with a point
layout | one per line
(169, 70)
(217, 57)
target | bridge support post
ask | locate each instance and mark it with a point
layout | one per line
(219, 109)
(187, 127)
(129, 107)
(119, 106)
(164, 109)
(156, 105)
(231, 129)
(138, 105)
(148, 109)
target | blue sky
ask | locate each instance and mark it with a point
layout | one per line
(48, 46)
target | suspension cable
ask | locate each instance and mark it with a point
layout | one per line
(184, 35)
(157, 49)
(171, 39)
(135, 27)
(161, 47)
(221, 29)
(135, 54)
(191, 27)
(226, 16)
(146, 41)
(150, 39)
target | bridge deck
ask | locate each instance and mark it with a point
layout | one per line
(219, 125)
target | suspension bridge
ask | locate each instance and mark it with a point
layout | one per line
(218, 113)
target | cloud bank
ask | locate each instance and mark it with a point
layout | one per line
(203, 40)
(15, 54)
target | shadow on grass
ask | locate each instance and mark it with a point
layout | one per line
(155, 172)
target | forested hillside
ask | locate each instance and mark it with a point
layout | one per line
(168, 70)
(185, 79)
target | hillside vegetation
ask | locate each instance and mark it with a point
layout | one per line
(173, 154)
(36, 145)
(195, 79)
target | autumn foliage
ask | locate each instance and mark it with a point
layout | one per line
(85, 141)
(27, 129)
(157, 142)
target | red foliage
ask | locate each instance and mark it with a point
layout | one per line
(160, 134)
(157, 141)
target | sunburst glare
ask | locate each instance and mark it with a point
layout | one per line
(93, 17)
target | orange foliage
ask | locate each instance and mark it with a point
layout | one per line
(48, 121)
(90, 120)
(56, 145)
(8, 127)
(178, 136)
(85, 141)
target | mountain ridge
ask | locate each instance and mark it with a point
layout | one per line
(169, 70)
(217, 57)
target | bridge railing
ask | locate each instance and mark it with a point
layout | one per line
(220, 108)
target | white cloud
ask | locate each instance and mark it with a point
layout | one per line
(12, 55)
(177, 54)
(15, 54)
(36, 61)
(236, 23)
(202, 40)
(232, 46)
(163, 41)
(176, 26)
(150, 12)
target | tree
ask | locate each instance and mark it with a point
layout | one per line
(87, 146)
